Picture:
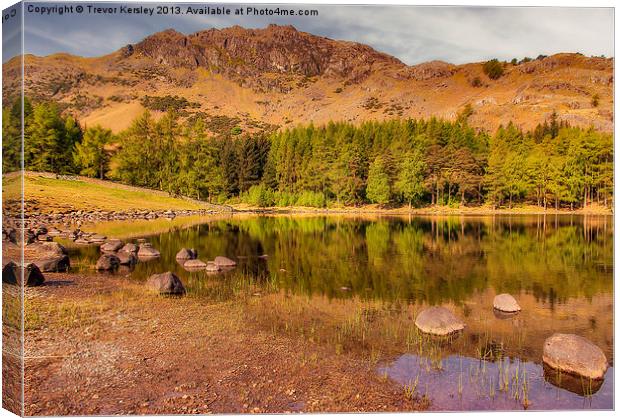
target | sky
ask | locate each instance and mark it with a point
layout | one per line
(414, 34)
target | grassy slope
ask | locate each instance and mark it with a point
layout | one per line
(48, 194)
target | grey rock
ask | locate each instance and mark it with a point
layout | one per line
(147, 251)
(112, 246)
(129, 248)
(54, 263)
(166, 284)
(574, 354)
(506, 303)
(107, 262)
(224, 262)
(438, 320)
(126, 258)
(186, 254)
(195, 264)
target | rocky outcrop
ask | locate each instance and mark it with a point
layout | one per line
(249, 53)
(574, 354)
(166, 284)
(438, 320)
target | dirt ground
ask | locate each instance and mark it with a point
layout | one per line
(97, 344)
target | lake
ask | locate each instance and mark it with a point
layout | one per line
(356, 283)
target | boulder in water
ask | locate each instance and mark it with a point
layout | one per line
(438, 320)
(112, 246)
(212, 267)
(126, 258)
(224, 262)
(506, 303)
(574, 354)
(145, 250)
(129, 248)
(108, 262)
(186, 254)
(195, 264)
(166, 284)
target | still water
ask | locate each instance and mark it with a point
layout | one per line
(357, 283)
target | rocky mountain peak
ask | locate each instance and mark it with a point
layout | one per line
(252, 52)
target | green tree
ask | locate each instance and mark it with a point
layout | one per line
(90, 156)
(378, 185)
(410, 183)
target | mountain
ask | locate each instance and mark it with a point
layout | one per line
(279, 76)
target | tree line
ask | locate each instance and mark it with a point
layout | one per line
(397, 162)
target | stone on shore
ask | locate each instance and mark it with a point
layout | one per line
(32, 275)
(112, 246)
(186, 254)
(53, 264)
(166, 284)
(224, 262)
(9, 273)
(506, 303)
(108, 262)
(438, 320)
(195, 264)
(574, 354)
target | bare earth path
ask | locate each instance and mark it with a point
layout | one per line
(98, 344)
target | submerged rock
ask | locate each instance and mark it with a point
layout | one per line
(186, 254)
(195, 264)
(107, 262)
(506, 303)
(224, 262)
(438, 320)
(574, 354)
(166, 284)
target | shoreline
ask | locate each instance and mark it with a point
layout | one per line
(425, 211)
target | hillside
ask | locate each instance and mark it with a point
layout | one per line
(278, 76)
(45, 193)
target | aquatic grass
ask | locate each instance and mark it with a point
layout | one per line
(411, 387)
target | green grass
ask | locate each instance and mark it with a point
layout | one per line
(49, 194)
